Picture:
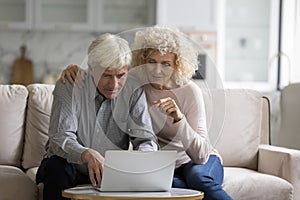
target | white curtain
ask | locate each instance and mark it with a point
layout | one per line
(296, 63)
(290, 42)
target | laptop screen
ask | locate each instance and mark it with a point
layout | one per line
(138, 170)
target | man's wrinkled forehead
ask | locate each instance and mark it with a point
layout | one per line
(115, 71)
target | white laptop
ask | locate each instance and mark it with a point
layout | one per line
(138, 171)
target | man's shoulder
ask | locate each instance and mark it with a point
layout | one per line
(133, 84)
(68, 90)
(131, 93)
(62, 88)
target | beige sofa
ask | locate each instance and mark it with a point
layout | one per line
(238, 121)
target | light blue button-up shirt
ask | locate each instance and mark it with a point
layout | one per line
(76, 124)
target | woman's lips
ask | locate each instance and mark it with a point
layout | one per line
(155, 76)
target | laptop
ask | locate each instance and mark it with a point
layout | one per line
(127, 171)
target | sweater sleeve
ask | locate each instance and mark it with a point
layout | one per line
(192, 130)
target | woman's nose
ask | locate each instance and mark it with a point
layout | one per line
(157, 68)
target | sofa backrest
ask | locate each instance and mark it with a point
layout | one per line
(234, 120)
(237, 121)
(13, 100)
(37, 123)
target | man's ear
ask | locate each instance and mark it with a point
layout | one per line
(96, 72)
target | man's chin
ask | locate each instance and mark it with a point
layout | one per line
(111, 95)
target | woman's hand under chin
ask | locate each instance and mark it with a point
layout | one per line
(169, 106)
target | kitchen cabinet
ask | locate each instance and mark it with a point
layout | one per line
(16, 14)
(77, 15)
(63, 14)
(190, 15)
(116, 15)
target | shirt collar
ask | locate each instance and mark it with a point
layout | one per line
(93, 91)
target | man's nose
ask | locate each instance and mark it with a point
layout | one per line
(113, 83)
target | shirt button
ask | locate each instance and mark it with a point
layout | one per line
(98, 130)
(129, 130)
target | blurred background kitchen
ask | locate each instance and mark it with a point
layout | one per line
(246, 43)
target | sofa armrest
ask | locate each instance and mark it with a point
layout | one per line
(281, 162)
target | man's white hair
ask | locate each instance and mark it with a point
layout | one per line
(110, 52)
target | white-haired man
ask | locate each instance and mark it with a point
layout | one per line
(108, 113)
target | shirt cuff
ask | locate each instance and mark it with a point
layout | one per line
(75, 156)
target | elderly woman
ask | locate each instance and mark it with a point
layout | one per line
(164, 61)
(170, 60)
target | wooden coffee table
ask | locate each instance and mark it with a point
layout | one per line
(89, 193)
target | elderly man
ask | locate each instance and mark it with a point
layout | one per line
(108, 113)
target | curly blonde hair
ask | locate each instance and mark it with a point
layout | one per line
(167, 40)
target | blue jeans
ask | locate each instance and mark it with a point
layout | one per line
(207, 178)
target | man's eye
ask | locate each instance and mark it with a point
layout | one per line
(121, 76)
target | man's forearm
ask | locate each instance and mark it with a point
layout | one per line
(67, 148)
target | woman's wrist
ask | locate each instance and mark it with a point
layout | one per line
(177, 119)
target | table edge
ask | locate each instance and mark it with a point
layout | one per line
(200, 195)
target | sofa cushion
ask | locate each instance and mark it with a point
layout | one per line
(37, 123)
(15, 184)
(245, 184)
(234, 125)
(13, 99)
(31, 173)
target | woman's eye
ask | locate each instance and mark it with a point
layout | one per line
(166, 64)
(151, 61)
